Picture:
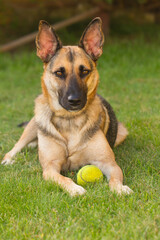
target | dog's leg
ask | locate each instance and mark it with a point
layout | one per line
(53, 174)
(121, 134)
(101, 155)
(29, 134)
(52, 156)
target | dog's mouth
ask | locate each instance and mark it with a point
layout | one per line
(73, 107)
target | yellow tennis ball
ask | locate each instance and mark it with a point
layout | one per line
(89, 174)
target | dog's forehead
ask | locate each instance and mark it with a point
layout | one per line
(71, 55)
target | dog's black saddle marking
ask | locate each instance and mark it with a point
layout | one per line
(113, 125)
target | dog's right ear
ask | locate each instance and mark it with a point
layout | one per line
(47, 42)
(92, 39)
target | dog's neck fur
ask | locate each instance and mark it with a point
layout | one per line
(62, 125)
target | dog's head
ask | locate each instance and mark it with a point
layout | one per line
(70, 76)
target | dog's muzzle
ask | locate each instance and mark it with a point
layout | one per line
(73, 102)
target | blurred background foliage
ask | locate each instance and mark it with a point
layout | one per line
(20, 17)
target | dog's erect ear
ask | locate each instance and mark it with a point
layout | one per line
(47, 42)
(92, 39)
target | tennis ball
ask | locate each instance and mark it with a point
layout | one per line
(89, 174)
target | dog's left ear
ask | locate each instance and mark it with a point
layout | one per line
(92, 39)
(47, 41)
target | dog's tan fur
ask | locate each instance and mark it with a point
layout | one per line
(70, 139)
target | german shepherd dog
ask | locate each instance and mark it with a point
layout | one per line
(73, 125)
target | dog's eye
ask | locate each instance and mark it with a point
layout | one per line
(60, 73)
(83, 71)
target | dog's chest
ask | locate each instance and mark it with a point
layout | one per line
(71, 129)
(78, 132)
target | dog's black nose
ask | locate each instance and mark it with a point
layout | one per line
(74, 100)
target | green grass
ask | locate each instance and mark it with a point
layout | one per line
(31, 208)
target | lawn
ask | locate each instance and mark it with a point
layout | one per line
(31, 208)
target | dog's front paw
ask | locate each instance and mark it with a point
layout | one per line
(121, 189)
(126, 190)
(76, 190)
(7, 161)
